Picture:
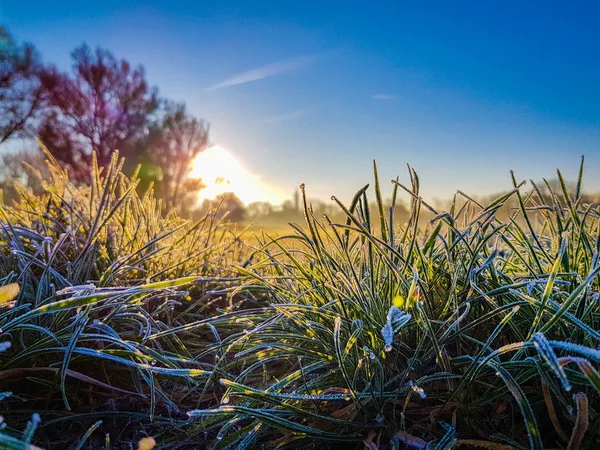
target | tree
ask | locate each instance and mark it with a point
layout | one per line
(21, 96)
(226, 203)
(104, 106)
(172, 144)
(259, 210)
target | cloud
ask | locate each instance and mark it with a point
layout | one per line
(286, 116)
(263, 72)
(384, 96)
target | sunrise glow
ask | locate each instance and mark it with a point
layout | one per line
(222, 172)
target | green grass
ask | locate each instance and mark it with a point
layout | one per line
(363, 333)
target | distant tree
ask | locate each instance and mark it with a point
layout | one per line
(319, 208)
(297, 200)
(288, 206)
(226, 203)
(257, 210)
(104, 105)
(401, 212)
(21, 96)
(172, 143)
(553, 187)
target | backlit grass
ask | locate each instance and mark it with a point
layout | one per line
(470, 332)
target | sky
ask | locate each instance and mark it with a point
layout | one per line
(312, 91)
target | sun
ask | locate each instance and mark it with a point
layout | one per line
(222, 172)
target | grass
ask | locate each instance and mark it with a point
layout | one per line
(471, 332)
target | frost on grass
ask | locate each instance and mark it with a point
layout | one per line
(396, 319)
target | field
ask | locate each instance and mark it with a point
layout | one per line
(122, 327)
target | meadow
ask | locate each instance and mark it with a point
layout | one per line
(124, 327)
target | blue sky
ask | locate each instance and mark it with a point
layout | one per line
(312, 91)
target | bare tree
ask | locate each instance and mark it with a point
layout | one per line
(21, 96)
(103, 106)
(173, 143)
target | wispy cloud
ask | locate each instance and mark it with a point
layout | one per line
(286, 116)
(384, 96)
(263, 72)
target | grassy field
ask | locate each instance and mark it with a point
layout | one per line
(122, 327)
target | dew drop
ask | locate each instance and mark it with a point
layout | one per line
(219, 436)
(225, 400)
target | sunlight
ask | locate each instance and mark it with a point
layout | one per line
(222, 172)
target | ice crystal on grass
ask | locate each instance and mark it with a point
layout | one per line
(396, 319)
